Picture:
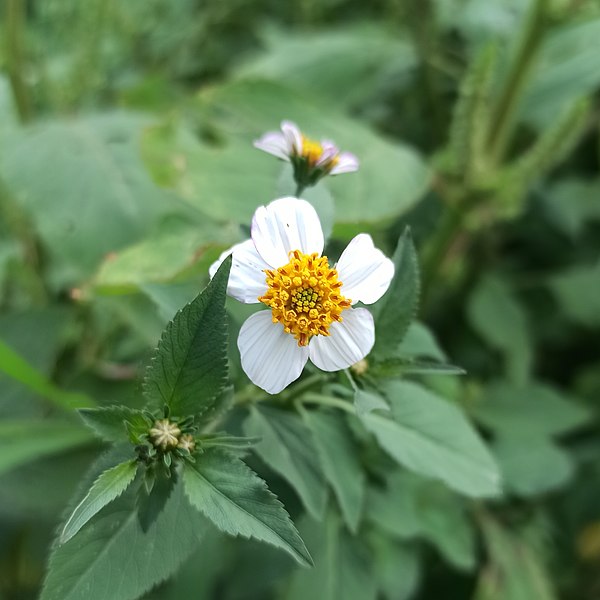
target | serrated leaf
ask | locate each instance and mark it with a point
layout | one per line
(109, 422)
(339, 457)
(238, 502)
(366, 401)
(287, 448)
(395, 311)
(113, 559)
(189, 369)
(151, 503)
(343, 565)
(432, 437)
(109, 486)
(22, 441)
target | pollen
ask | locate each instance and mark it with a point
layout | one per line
(304, 296)
(312, 152)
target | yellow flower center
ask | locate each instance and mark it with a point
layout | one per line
(312, 151)
(304, 296)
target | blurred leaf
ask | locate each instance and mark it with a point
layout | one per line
(499, 319)
(531, 464)
(343, 567)
(109, 486)
(238, 502)
(84, 187)
(344, 64)
(27, 440)
(366, 401)
(398, 307)
(527, 411)
(189, 368)
(398, 569)
(110, 422)
(112, 557)
(286, 446)
(341, 465)
(430, 436)
(578, 292)
(396, 367)
(420, 341)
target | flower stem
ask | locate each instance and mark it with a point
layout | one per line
(312, 398)
(299, 189)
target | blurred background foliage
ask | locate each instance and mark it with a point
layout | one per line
(126, 167)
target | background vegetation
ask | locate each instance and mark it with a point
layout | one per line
(126, 167)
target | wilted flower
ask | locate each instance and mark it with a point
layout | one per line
(311, 315)
(311, 159)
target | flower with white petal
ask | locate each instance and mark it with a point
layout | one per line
(311, 314)
(311, 159)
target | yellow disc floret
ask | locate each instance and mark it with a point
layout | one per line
(312, 152)
(304, 296)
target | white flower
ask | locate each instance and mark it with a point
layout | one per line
(311, 159)
(311, 315)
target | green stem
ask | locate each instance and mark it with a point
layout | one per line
(299, 189)
(502, 122)
(312, 398)
(14, 18)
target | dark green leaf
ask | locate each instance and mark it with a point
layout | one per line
(109, 486)
(109, 422)
(286, 446)
(339, 457)
(189, 369)
(151, 503)
(394, 312)
(238, 502)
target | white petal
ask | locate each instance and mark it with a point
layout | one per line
(347, 164)
(348, 342)
(293, 136)
(270, 357)
(365, 271)
(284, 225)
(246, 280)
(274, 143)
(330, 150)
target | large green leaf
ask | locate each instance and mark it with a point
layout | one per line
(431, 437)
(343, 568)
(339, 457)
(22, 441)
(397, 566)
(112, 558)
(392, 176)
(109, 486)
(113, 423)
(84, 187)
(189, 369)
(394, 312)
(238, 502)
(287, 447)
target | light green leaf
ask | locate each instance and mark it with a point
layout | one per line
(528, 411)
(432, 437)
(398, 568)
(420, 341)
(22, 441)
(230, 442)
(189, 369)
(394, 312)
(286, 446)
(532, 464)
(15, 366)
(238, 502)
(109, 422)
(397, 367)
(339, 457)
(366, 401)
(113, 559)
(109, 486)
(343, 566)
(499, 319)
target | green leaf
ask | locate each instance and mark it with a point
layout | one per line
(109, 422)
(189, 369)
(366, 401)
(397, 367)
(394, 312)
(499, 319)
(22, 441)
(532, 464)
(15, 366)
(238, 502)
(398, 568)
(339, 457)
(112, 558)
(109, 486)
(529, 410)
(287, 447)
(151, 503)
(420, 341)
(230, 442)
(431, 437)
(343, 565)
